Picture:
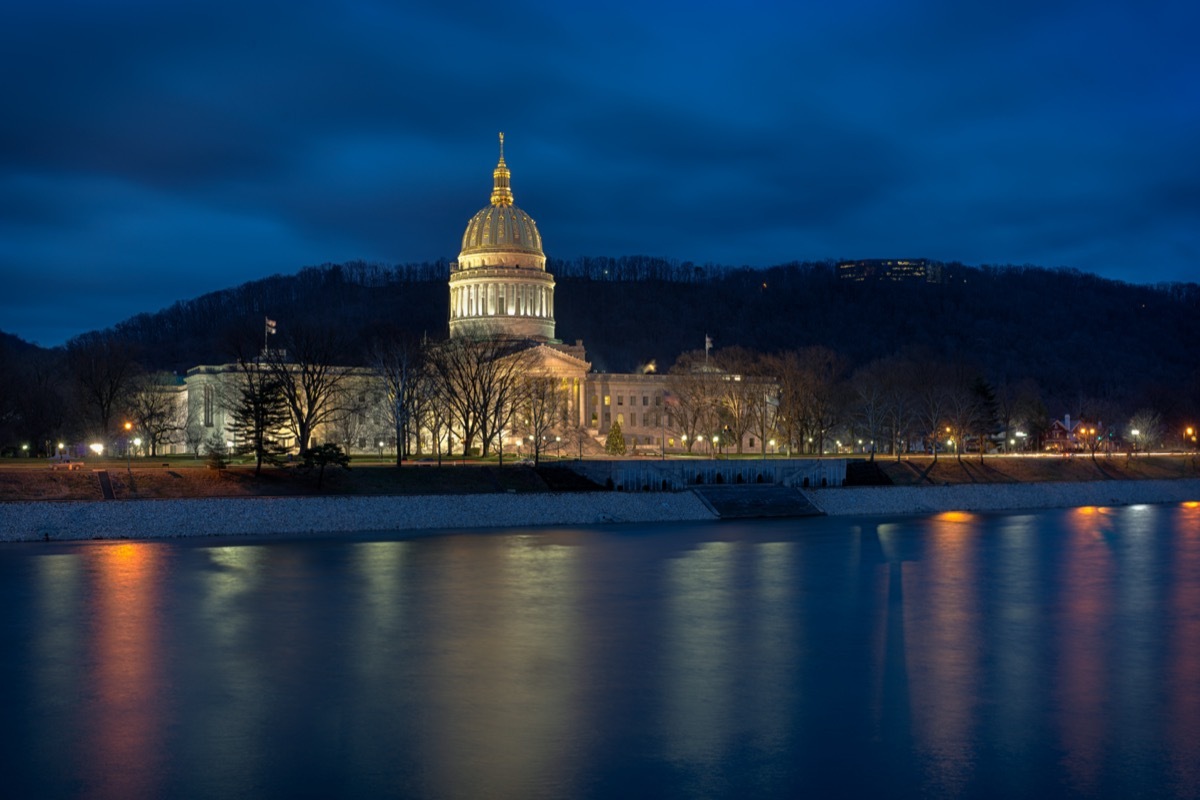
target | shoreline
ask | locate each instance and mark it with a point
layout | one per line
(985, 497)
(297, 516)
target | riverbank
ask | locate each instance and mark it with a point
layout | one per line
(296, 516)
(292, 516)
(870, 500)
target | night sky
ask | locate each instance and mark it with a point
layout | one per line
(154, 151)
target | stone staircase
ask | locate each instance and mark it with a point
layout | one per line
(753, 501)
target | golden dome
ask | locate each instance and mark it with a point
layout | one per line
(501, 227)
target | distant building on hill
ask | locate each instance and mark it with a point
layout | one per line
(898, 270)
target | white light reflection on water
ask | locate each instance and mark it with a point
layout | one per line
(504, 666)
(1019, 624)
(774, 649)
(699, 646)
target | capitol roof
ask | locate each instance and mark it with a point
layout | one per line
(501, 226)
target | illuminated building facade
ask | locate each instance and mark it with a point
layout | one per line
(499, 283)
(896, 270)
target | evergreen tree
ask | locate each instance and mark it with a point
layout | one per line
(614, 445)
(259, 414)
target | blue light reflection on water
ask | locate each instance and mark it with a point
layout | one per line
(1053, 653)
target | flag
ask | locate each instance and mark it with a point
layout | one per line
(271, 326)
(707, 344)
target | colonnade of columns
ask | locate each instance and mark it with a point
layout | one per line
(501, 299)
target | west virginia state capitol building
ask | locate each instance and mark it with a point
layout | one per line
(499, 288)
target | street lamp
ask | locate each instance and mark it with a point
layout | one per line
(1135, 432)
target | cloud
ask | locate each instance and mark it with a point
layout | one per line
(190, 146)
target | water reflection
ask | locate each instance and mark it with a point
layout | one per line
(1082, 641)
(124, 710)
(504, 674)
(957, 655)
(1181, 620)
(700, 647)
(941, 623)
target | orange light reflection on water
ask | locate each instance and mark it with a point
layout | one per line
(123, 723)
(1081, 687)
(956, 516)
(942, 625)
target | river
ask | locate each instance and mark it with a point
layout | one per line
(1013, 655)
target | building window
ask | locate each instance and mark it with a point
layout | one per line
(621, 419)
(607, 400)
(208, 405)
(620, 399)
(645, 400)
(658, 399)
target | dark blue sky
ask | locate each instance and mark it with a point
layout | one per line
(155, 151)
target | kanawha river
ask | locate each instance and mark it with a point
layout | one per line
(1045, 654)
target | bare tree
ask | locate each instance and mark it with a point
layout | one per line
(1146, 429)
(901, 401)
(102, 368)
(811, 394)
(933, 401)
(193, 430)
(539, 408)
(693, 399)
(398, 360)
(309, 378)
(155, 408)
(476, 379)
(739, 391)
(870, 388)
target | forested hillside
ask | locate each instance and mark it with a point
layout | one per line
(1074, 335)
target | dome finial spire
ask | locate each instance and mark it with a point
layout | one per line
(501, 192)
